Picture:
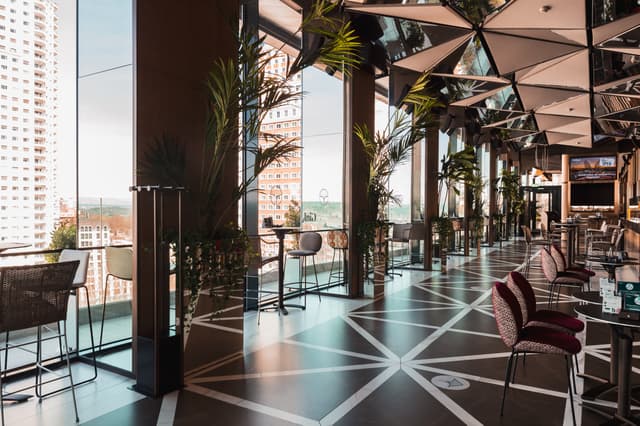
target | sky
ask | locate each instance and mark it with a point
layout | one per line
(105, 97)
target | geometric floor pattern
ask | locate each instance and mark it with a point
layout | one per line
(383, 364)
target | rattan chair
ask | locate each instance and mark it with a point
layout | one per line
(530, 242)
(310, 244)
(119, 261)
(35, 296)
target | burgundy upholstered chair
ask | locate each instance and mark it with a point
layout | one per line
(529, 339)
(523, 292)
(561, 262)
(555, 277)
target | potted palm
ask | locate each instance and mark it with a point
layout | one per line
(476, 186)
(513, 201)
(216, 251)
(458, 167)
(385, 150)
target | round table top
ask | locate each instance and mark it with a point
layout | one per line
(594, 312)
(603, 261)
(588, 296)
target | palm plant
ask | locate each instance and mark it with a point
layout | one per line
(512, 196)
(458, 167)
(390, 147)
(385, 150)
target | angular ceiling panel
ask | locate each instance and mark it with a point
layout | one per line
(606, 105)
(432, 13)
(429, 58)
(608, 31)
(540, 14)
(628, 87)
(548, 34)
(567, 71)
(512, 53)
(564, 124)
(534, 97)
(578, 106)
(555, 138)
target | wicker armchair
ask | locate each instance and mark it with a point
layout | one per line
(34, 296)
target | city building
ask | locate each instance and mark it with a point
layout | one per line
(28, 121)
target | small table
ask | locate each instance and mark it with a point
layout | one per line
(280, 233)
(610, 265)
(10, 246)
(621, 355)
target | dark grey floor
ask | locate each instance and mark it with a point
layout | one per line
(381, 365)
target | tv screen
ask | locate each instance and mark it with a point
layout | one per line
(592, 194)
(603, 167)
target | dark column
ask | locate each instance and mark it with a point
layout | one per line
(174, 47)
(493, 168)
(359, 108)
(416, 197)
(431, 200)
(250, 17)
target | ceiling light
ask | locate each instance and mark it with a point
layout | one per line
(545, 8)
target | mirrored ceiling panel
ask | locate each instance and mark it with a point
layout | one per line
(610, 104)
(616, 128)
(627, 42)
(629, 87)
(609, 66)
(605, 11)
(477, 10)
(504, 100)
(402, 38)
(456, 89)
(488, 117)
(470, 59)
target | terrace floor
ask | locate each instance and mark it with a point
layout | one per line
(427, 353)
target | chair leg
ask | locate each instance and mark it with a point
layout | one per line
(315, 272)
(515, 368)
(38, 387)
(93, 343)
(567, 359)
(2, 398)
(333, 258)
(104, 306)
(506, 382)
(575, 358)
(73, 389)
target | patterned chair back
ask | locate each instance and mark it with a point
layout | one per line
(549, 267)
(338, 240)
(558, 257)
(507, 313)
(523, 292)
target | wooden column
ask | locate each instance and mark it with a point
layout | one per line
(174, 47)
(564, 182)
(359, 91)
(431, 200)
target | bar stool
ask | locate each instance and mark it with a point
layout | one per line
(339, 242)
(310, 244)
(119, 261)
(79, 282)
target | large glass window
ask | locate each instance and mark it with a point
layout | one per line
(105, 147)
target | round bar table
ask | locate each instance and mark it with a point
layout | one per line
(280, 233)
(620, 371)
(571, 228)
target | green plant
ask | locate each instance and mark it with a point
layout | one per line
(390, 147)
(64, 236)
(513, 200)
(458, 167)
(385, 150)
(292, 216)
(476, 187)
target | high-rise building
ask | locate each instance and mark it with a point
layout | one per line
(28, 121)
(280, 185)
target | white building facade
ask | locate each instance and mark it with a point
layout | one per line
(29, 205)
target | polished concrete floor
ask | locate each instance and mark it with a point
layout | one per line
(427, 353)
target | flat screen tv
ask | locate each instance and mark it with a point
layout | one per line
(592, 194)
(603, 167)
